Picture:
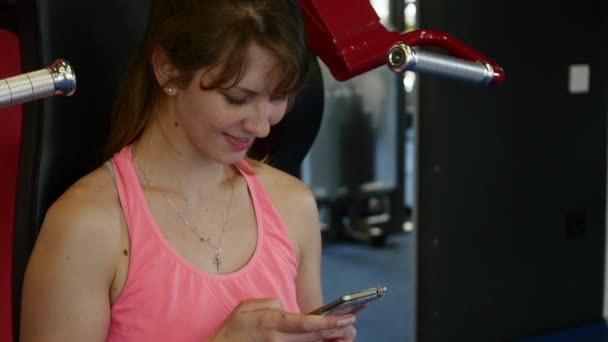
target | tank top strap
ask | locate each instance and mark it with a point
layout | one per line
(248, 173)
(130, 194)
(272, 229)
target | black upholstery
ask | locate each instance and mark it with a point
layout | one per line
(291, 139)
(62, 137)
(8, 17)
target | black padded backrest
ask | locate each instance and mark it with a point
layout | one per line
(62, 137)
(8, 16)
(291, 139)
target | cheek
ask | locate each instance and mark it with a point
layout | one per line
(216, 117)
(220, 123)
(277, 115)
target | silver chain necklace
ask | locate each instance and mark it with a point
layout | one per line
(217, 257)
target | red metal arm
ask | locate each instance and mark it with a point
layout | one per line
(348, 37)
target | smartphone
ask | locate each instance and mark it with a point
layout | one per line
(351, 302)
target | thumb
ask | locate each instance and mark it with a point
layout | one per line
(259, 304)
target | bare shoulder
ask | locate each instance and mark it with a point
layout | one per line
(73, 264)
(90, 202)
(283, 187)
(296, 205)
(87, 215)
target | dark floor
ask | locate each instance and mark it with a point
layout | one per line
(348, 267)
(587, 333)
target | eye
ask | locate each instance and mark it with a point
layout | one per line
(237, 101)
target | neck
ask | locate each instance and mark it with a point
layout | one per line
(176, 165)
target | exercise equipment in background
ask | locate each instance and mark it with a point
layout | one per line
(351, 43)
(356, 200)
(57, 79)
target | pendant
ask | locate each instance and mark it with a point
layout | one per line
(217, 260)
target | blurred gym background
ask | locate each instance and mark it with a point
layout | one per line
(481, 209)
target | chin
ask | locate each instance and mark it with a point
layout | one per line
(231, 158)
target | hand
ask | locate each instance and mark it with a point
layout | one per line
(263, 320)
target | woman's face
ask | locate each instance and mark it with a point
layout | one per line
(223, 123)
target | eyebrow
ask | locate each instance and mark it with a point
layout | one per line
(246, 90)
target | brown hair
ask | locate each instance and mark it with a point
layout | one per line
(206, 33)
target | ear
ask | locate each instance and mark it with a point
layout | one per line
(164, 71)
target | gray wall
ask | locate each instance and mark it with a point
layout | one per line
(357, 140)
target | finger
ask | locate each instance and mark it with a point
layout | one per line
(311, 323)
(345, 334)
(302, 337)
(341, 334)
(343, 320)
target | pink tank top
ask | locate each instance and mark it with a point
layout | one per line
(165, 298)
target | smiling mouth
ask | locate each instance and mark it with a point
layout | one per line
(237, 143)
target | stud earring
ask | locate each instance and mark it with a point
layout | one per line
(170, 90)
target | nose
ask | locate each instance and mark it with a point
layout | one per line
(258, 122)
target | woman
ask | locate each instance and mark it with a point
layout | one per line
(179, 237)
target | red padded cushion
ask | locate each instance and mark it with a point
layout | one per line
(10, 134)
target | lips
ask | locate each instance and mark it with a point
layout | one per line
(238, 144)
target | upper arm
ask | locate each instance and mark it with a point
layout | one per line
(67, 280)
(298, 209)
(308, 238)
